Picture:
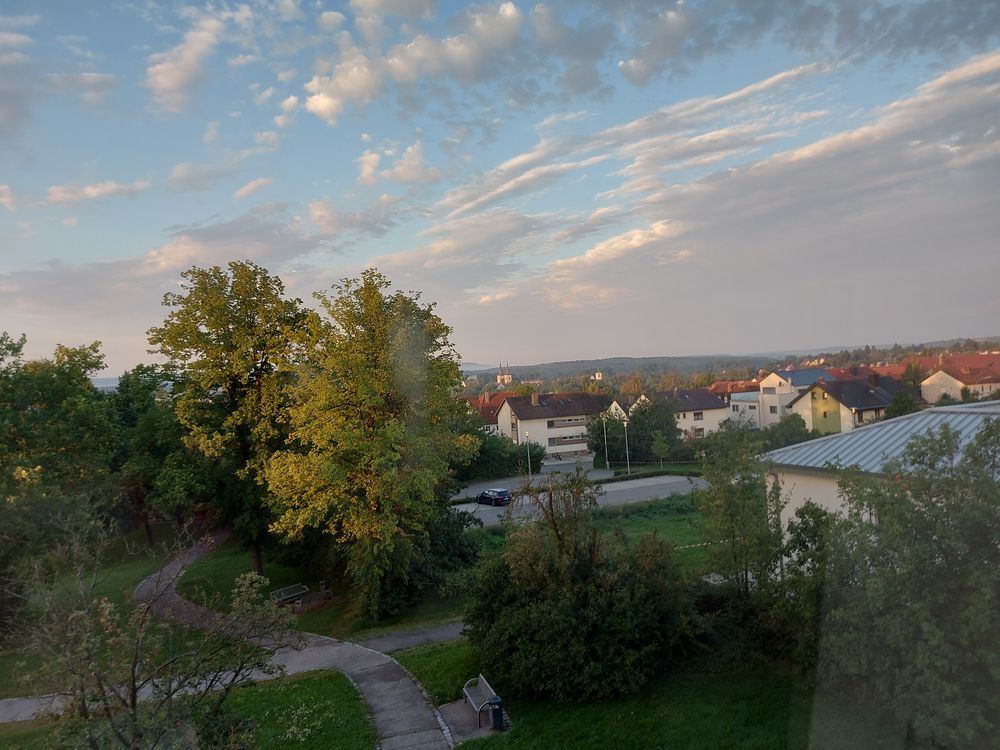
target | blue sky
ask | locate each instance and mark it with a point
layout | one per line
(566, 180)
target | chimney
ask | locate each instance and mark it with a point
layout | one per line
(873, 380)
(534, 399)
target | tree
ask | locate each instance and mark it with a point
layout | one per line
(913, 589)
(370, 443)
(913, 374)
(570, 613)
(741, 511)
(790, 430)
(129, 680)
(228, 333)
(660, 447)
(646, 420)
(903, 402)
(634, 385)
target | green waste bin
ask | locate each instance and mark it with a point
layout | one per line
(496, 712)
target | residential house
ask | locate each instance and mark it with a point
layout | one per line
(780, 388)
(811, 470)
(842, 405)
(488, 406)
(557, 421)
(949, 380)
(699, 411)
(744, 407)
(623, 405)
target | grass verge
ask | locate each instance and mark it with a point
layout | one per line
(442, 668)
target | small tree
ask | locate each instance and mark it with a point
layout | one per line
(903, 402)
(131, 681)
(661, 447)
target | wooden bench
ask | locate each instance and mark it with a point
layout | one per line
(289, 594)
(479, 696)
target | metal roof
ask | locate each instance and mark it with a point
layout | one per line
(751, 396)
(868, 448)
(805, 376)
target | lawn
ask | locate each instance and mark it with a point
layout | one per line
(761, 708)
(215, 574)
(314, 711)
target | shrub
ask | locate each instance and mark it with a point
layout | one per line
(569, 613)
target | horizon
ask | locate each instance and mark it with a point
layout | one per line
(563, 180)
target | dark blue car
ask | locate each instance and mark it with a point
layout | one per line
(494, 497)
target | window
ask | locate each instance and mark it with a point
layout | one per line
(698, 416)
(774, 409)
(753, 407)
(735, 407)
(824, 395)
(824, 414)
(814, 395)
(699, 432)
(551, 424)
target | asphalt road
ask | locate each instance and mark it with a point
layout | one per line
(617, 493)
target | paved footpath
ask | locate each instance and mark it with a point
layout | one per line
(402, 715)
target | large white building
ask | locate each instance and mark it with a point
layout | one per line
(950, 380)
(699, 411)
(558, 421)
(745, 408)
(780, 388)
(809, 471)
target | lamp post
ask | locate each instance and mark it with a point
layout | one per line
(527, 449)
(628, 463)
(604, 425)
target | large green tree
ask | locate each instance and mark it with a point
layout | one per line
(370, 445)
(913, 589)
(229, 332)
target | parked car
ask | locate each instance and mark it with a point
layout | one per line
(494, 497)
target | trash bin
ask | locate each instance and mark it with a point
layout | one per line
(496, 712)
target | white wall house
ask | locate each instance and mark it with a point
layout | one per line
(699, 411)
(557, 421)
(780, 388)
(745, 408)
(807, 470)
(949, 381)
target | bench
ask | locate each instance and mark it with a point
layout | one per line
(479, 695)
(310, 601)
(288, 594)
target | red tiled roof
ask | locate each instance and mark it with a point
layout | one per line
(488, 406)
(734, 386)
(971, 376)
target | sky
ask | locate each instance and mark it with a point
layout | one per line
(565, 180)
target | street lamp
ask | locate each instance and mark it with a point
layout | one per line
(628, 463)
(604, 425)
(527, 449)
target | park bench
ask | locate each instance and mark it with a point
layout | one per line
(480, 695)
(289, 594)
(310, 601)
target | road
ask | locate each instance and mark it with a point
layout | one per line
(617, 493)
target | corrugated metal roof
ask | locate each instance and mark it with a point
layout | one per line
(869, 447)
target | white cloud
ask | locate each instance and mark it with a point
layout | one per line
(19, 22)
(7, 197)
(239, 61)
(329, 21)
(289, 10)
(403, 8)
(189, 176)
(286, 74)
(267, 138)
(12, 39)
(59, 194)
(263, 96)
(290, 104)
(211, 132)
(93, 88)
(171, 75)
(252, 187)
(368, 167)
(355, 78)
(411, 167)
(69, 221)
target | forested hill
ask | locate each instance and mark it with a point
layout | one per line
(652, 366)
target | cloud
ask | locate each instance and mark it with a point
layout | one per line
(289, 10)
(211, 132)
(411, 167)
(252, 187)
(375, 220)
(404, 8)
(92, 88)
(613, 249)
(61, 194)
(19, 22)
(329, 21)
(368, 167)
(192, 177)
(263, 96)
(239, 61)
(354, 78)
(7, 198)
(171, 75)
(267, 138)
(14, 40)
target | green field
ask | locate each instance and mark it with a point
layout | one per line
(313, 711)
(760, 708)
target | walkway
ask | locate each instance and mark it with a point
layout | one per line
(403, 718)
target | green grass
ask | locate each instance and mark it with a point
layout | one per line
(442, 668)
(761, 708)
(690, 469)
(673, 519)
(215, 574)
(314, 711)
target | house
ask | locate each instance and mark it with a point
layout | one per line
(557, 421)
(811, 470)
(725, 387)
(744, 407)
(780, 388)
(842, 405)
(699, 411)
(622, 406)
(487, 407)
(949, 381)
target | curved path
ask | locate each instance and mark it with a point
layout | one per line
(401, 713)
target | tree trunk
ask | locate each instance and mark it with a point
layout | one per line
(148, 528)
(255, 558)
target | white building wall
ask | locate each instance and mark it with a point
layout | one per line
(939, 384)
(775, 395)
(711, 420)
(538, 431)
(745, 412)
(798, 487)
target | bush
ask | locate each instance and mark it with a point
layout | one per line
(568, 613)
(499, 457)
